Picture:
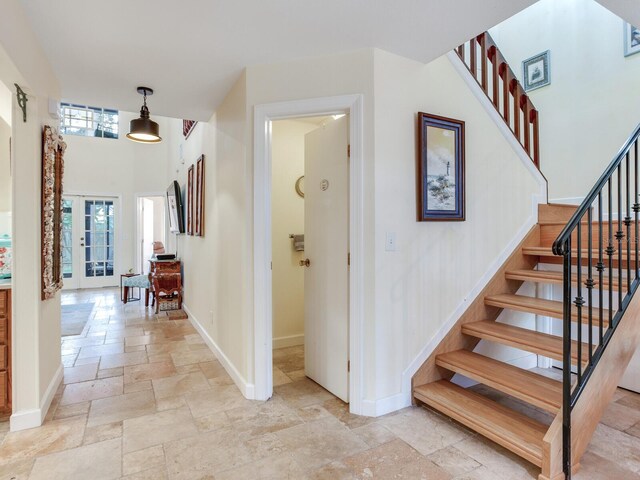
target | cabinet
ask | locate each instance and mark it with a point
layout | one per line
(5, 351)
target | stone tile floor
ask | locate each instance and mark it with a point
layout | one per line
(144, 398)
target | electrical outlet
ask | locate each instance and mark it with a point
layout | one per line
(390, 242)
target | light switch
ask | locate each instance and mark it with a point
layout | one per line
(390, 243)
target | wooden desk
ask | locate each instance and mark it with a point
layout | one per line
(167, 268)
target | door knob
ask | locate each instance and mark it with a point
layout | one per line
(305, 263)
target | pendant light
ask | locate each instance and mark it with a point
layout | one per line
(144, 129)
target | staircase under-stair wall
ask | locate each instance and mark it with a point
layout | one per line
(599, 315)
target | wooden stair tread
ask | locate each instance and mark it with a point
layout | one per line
(539, 251)
(539, 306)
(546, 276)
(530, 387)
(535, 342)
(514, 431)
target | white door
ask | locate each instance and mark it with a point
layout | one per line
(631, 378)
(89, 250)
(326, 281)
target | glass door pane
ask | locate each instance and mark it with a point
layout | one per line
(99, 229)
(67, 238)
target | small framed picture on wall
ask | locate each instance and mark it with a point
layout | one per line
(631, 39)
(440, 168)
(535, 71)
(190, 200)
(199, 197)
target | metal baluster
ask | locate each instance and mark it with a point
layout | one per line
(600, 268)
(579, 302)
(566, 362)
(589, 283)
(619, 237)
(610, 251)
(627, 223)
(636, 205)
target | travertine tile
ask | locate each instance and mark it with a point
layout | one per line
(142, 460)
(278, 467)
(374, 434)
(138, 386)
(81, 373)
(192, 356)
(122, 407)
(123, 359)
(155, 473)
(85, 391)
(268, 417)
(414, 421)
(453, 461)
(110, 372)
(51, 437)
(99, 461)
(170, 403)
(100, 350)
(18, 470)
(620, 416)
(216, 399)
(395, 459)
(616, 446)
(179, 385)
(212, 422)
(279, 377)
(147, 371)
(66, 411)
(100, 433)
(321, 442)
(212, 369)
(157, 428)
(303, 393)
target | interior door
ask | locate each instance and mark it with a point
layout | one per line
(326, 280)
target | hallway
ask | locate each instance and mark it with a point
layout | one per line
(144, 398)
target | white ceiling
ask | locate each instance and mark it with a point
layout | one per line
(192, 51)
(628, 10)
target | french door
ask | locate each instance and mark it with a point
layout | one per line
(89, 253)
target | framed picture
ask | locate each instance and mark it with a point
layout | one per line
(631, 39)
(190, 200)
(199, 197)
(53, 148)
(535, 71)
(440, 168)
(187, 127)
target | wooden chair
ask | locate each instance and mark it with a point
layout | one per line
(167, 288)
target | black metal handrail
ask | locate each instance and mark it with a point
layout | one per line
(606, 264)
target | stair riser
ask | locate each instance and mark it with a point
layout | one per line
(549, 234)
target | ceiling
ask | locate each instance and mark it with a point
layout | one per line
(191, 52)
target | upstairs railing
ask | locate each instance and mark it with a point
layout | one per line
(599, 246)
(488, 66)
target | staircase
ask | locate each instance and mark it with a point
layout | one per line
(596, 244)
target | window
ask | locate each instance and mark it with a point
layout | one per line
(88, 121)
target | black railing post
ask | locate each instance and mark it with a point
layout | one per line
(566, 361)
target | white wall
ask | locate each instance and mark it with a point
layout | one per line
(590, 108)
(287, 213)
(437, 265)
(5, 169)
(36, 325)
(119, 167)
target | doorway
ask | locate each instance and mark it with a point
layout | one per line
(310, 240)
(151, 213)
(89, 250)
(264, 117)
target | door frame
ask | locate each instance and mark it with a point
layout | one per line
(138, 196)
(117, 224)
(262, 250)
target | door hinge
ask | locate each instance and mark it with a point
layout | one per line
(348, 365)
(349, 151)
(349, 258)
(271, 265)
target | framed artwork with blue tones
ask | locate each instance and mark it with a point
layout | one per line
(440, 168)
(631, 39)
(536, 72)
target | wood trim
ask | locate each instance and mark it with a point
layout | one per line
(478, 310)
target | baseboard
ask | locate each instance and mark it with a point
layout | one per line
(247, 389)
(24, 419)
(376, 408)
(289, 341)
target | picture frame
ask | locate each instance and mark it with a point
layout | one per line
(199, 197)
(175, 208)
(190, 200)
(187, 127)
(440, 168)
(53, 148)
(631, 39)
(536, 72)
